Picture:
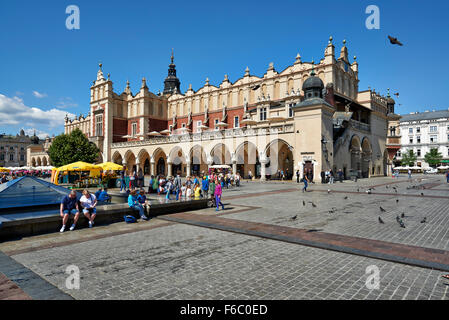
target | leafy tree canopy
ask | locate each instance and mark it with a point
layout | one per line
(433, 157)
(73, 147)
(408, 158)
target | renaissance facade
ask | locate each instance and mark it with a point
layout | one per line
(308, 117)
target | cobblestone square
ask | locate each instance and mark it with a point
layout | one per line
(201, 259)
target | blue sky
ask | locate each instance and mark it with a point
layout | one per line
(44, 66)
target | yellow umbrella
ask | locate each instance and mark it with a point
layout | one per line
(110, 166)
(4, 170)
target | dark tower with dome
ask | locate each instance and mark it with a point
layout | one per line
(172, 83)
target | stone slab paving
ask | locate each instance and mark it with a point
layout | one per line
(357, 215)
(180, 261)
(187, 262)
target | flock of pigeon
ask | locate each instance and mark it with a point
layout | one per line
(382, 210)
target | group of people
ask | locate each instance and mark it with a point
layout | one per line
(136, 179)
(329, 176)
(70, 205)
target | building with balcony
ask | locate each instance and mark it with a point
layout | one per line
(13, 149)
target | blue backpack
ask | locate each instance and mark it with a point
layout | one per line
(130, 219)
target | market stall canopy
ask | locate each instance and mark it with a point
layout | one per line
(220, 166)
(79, 166)
(4, 169)
(110, 166)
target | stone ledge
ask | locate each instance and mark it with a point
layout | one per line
(14, 229)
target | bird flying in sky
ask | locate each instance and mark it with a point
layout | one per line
(394, 41)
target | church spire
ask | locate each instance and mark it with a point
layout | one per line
(172, 82)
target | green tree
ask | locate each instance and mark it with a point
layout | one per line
(408, 158)
(73, 147)
(433, 157)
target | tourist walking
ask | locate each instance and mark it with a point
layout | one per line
(297, 176)
(122, 180)
(212, 191)
(205, 187)
(218, 194)
(177, 186)
(141, 179)
(331, 176)
(89, 203)
(306, 183)
(323, 177)
(69, 205)
(409, 174)
(134, 204)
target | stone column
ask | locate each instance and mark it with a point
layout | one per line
(234, 164)
(152, 166)
(169, 167)
(263, 172)
(188, 168)
(210, 161)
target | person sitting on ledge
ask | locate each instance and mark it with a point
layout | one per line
(69, 205)
(134, 204)
(104, 197)
(144, 201)
(89, 203)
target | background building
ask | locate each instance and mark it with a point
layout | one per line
(13, 149)
(422, 131)
(308, 117)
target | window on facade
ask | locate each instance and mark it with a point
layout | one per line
(216, 122)
(410, 139)
(418, 139)
(410, 130)
(170, 127)
(99, 125)
(2, 156)
(198, 125)
(11, 148)
(183, 125)
(134, 129)
(290, 110)
(22, 157)
(418, 152)
(433, 129)
(398, 154)
(11, 157)
(236, 122)
(418, 130)
(263, 114)
(433, 139)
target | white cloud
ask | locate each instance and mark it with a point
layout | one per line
(66, 102)
(41, 134)
(39, 95)
(14, 112)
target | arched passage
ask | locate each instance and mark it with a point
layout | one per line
(144, 161)
(39, 162)
(280, 156)
(44, 161)
(247, 158)
(33, 162)
(178, 161)
(221, 155)
(160, 159)
(117, 158)
(130, 160)
(366, 157)
(356, 155)
(198, 160)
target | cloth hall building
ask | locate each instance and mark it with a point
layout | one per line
(308, 117)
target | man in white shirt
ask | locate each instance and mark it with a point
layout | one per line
(89, 202)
